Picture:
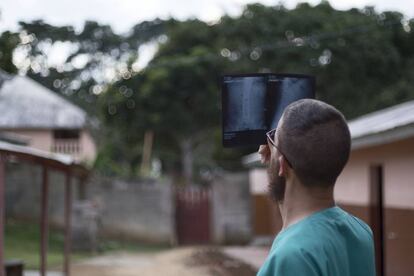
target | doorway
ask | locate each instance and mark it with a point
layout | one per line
(377, 215)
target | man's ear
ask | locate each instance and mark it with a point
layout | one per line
(282, 166)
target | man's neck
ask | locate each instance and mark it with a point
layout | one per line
(300, 202)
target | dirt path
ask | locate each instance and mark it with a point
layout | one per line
(170, 262)
(189, 261)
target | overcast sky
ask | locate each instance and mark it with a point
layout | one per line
(122, 14)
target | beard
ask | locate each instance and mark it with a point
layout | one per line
(277, 184)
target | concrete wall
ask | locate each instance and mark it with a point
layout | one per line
(231, 209)
(132, 210)
(141, 210)
(23, 193)
(145, 210)
(23, 187)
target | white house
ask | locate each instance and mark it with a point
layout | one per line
(40, 118)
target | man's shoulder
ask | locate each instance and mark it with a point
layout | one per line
(305, 232)
(301, 240)
(363, 225)
(324, 244)
(291, 258)
(323, 231)
(351, 225)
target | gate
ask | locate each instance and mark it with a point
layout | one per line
(192, 215)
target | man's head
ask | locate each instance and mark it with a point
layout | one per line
(313, 141)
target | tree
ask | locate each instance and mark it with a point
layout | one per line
(176, 96)
(363, 61)
(355, 54)
(8, 42)
(360, 57)
(95, 56)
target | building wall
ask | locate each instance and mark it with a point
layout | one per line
(353, 192)
(43, 139)
(265, 212)
(397, 160)
(88, 147)
(231, 209)
(37, 138)
(258, 181)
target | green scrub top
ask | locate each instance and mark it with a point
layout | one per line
(330, 242)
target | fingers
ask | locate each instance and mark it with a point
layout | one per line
(263, 148)
(264, 152)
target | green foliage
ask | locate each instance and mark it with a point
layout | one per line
(8, 42)
(354, 54)
(176, 97)
(97, 56)
(363, 61)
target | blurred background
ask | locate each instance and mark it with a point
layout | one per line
(110, 134)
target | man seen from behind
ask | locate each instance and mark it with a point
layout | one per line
(305, 154)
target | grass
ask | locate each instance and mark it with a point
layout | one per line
(22, 242)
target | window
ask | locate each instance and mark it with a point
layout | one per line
(66, 141)
(66, 134)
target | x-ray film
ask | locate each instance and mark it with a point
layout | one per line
(253, 104)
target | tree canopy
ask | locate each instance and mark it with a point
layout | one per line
(363, 61)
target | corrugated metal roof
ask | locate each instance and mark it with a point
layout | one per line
(398, 120)
(382, 120)
(25, 103)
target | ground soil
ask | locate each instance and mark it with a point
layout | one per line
(218, 263)
(189, 261)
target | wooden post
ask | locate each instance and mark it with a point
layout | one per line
(44, 222)
(68, 223)
(2, 213)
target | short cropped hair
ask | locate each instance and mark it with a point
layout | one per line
(315, 138)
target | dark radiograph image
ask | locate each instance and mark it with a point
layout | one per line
(253, 104)
(246, 98)
(290, 90)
